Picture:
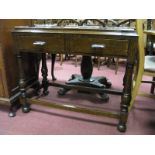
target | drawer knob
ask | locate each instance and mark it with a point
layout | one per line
(97, 46)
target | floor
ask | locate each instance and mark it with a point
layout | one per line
(48, 121)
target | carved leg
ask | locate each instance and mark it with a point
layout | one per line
(126, 98)
(37, 86)
(53, 56)
(124, 79)
(22, 85)
(44, 74)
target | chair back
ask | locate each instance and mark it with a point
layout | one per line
(139, 68)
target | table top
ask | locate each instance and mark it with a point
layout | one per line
(98, 30)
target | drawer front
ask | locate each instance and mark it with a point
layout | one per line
(54, 43)
(87, 45)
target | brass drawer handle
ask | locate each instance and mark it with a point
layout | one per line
(39, 43)
(98, 46)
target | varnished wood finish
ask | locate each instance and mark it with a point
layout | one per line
(44, 71)
(9, 75)
(53, 57)
(71, 40)
(87, 42)
(80, 40)
(3, 82)
(74, 108)
(9, 58)
(127, 82)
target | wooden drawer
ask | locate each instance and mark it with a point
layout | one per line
(54, 43)
(83, 45)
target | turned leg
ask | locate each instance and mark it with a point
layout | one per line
(86, 67)
(44, 72)
(124, 79)
(22, 85)
(53, 56)
(126, 97)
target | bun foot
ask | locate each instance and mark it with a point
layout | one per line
(45, 92)
(13, 108)
(12, 114)
(121, 127)
(62, 91)
(26, 109)
(104, 97)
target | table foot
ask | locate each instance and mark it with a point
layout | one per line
(26, 108)
(95, 82)
(13, 109)
(62, 91)
(12, 114)
(45, 92)
(54, 78)
(104, 97)
(121, 127)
